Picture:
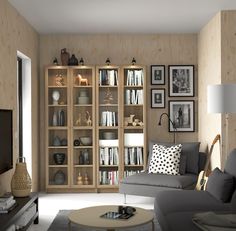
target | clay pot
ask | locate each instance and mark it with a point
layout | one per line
(73, 61)
(64, 57)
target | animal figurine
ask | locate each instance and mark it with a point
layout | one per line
(81, 81)
(88, 119)
(129, 120)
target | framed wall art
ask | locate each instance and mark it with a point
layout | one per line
(157, 74)
(157, 98)
(181, 80)
(182, 114)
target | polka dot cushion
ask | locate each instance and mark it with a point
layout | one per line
(165, 160)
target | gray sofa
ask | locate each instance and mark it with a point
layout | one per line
(175, 209)
(145, 184)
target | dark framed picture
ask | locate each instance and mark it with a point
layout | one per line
(182, 114)
(181, 80)
(157, 98)
(157, 74)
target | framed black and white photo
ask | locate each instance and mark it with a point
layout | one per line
(181, 80)
(182, 114)
(157, 74)
(157, 98)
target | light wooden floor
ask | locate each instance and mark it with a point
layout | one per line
(50, 204)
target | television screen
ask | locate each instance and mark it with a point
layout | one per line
(6, 144)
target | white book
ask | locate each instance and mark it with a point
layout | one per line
(106, 156)
(126, 156)
(108, 143)
(127, 96)
(114, 118)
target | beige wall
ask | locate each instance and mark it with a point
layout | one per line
(216, 60)
(228, 70)
(17, 34)
(147, 49)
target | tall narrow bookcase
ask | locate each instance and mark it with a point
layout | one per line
(134, 125)
(108, 85)
(57, 101)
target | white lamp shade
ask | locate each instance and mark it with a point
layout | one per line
(221, 98)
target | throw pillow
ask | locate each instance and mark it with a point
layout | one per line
(220, 185)
(165, 159)
(190, 150)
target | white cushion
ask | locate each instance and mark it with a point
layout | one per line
(165, 160)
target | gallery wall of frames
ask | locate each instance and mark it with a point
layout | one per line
(181, 88)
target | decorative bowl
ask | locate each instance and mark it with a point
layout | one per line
(86, 140)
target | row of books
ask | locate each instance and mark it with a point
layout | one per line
(134, 156)
(134, 78)
(108, 118)
(109, 177)
(109, 156)
(7, 203)
(108, 77)
(134, 96)
(130, 172)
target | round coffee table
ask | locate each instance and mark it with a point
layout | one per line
(90, 218)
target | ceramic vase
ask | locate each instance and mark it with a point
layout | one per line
(64, 57)
(21, 181)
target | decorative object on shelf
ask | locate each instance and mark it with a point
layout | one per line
(81, 62)
(157, 74)
(83, 97)
(170, 121)
(55, 97)
(137, 122)
(182, 114)
(80, 179)
(21, 182)
(55, 62)
(64, 57)
(73, 61)
(81, 158)
(59, 158)
(85, 140)
(88, 119)
(108, 98)
(181, 80)
(79, 80)
(56, 141)
(86, 179)
(78, 121)
(59, 177)
(86, 156)
(61, 118)
(54, 119)
(108, 62)
(157, 98)
(76, 142)
(133, 61)
(129, 120)
(109, 135)
(64, 142)
(59, 80)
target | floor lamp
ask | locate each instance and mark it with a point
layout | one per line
(221, 98)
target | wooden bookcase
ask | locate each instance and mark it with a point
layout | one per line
(103, 108)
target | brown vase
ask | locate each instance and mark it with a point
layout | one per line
(21, 182)
(64, 57)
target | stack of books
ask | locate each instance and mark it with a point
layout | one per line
(7, 203)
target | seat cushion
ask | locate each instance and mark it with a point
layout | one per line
(220, 185)
(187, 200)
(161, 180)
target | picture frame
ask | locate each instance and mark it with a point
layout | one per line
(158, 98)
(181, 80)
(182, 114)
(157, 74)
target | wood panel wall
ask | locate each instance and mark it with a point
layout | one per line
(17, 34)
(147, 49)
(216, 60)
